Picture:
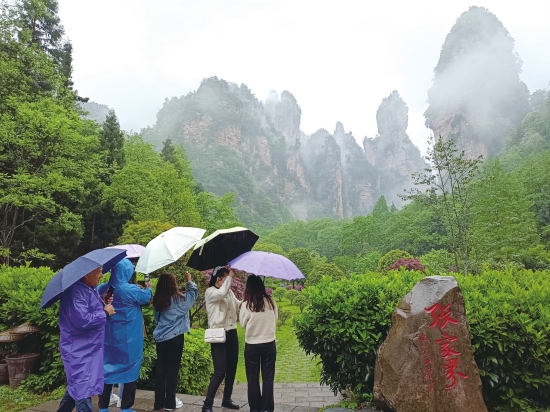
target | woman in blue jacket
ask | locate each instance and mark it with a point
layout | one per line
(171, 310)
(124, 336)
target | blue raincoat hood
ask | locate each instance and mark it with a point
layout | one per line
(122, 272)
(124, 329)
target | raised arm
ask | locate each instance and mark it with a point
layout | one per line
(213, 294)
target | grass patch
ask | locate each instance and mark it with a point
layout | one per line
(17, 399)
(293, 365)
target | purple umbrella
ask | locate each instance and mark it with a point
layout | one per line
(132, 251)
(267, 264)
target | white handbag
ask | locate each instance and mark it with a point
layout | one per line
(216, 335)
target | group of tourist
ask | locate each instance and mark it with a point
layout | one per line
(101, 338)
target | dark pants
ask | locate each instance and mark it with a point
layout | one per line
(67, 404)
(225, 357)
(168, 367)
(260, 356)
(128, 395)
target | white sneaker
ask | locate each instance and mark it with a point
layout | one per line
(114, 399)
(179, 404)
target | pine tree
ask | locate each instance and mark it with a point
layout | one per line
(112, 140)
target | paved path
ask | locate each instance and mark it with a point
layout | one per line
(289, 397)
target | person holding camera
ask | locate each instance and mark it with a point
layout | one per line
(221, 308)
(124, 336)
(171, 311)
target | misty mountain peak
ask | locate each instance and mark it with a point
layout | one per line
(392, 115)
(477, 93)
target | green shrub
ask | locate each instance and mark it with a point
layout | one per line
(509, 320)
(301, 301)
(325, 269)
(21, 290)
(284, 315)
(346, 263)
(390, 258)
(292, 294)
(368, 262)
(437, 261)
(279, 293)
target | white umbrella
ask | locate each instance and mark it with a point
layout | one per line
(168, 247)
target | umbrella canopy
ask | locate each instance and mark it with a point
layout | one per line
(77, 269)
(168, 247)
(267, 264)
(132, 251)
(220, 247)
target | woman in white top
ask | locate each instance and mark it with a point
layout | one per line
(221, 307)
(259, 318)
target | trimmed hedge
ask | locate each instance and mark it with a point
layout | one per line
(509, 320)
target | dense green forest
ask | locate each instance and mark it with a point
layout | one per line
(69, 185)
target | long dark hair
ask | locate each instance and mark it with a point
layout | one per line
(166, 291)
(254, 294)
(219, 272)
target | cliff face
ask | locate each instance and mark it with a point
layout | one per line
(237, 144)
(477, 94)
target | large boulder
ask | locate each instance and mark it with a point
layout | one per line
(426, 362)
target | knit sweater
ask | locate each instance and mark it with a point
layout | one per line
(259, 326)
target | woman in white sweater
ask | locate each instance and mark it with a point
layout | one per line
(221, 308)
(259, 318)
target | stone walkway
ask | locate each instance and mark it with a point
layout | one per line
(289, 397)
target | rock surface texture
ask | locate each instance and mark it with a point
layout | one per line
(426, 363)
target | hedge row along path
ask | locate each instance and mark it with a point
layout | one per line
(289, 397)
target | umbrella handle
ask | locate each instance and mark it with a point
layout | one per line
(200, 253)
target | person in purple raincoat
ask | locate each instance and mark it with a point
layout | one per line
(82, 319)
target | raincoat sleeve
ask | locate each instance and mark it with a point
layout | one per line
(140, 296)
(218, 294)
(81, 317)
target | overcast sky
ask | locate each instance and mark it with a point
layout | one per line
(338, 58)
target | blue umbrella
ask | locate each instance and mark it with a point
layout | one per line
(77, 269)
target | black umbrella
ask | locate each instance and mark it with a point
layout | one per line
(221, 247)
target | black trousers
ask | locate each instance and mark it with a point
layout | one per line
(261, 356)
(128, 396)
(167, 372)
(225, 357)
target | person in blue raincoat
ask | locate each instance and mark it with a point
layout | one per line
(124, 336)
(82, 319)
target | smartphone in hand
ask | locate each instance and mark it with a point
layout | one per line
(109, 294)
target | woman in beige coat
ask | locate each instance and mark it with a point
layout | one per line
(221, 307)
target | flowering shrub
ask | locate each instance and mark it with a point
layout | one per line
(296, 287)
(408, 264)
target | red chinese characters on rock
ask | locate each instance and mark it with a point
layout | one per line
(424, 345)
(442, 315)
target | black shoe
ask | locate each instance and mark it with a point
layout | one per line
(228, 403)
(207, 406)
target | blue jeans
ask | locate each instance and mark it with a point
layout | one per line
(67, 404)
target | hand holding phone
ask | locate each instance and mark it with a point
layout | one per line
(109, 295)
